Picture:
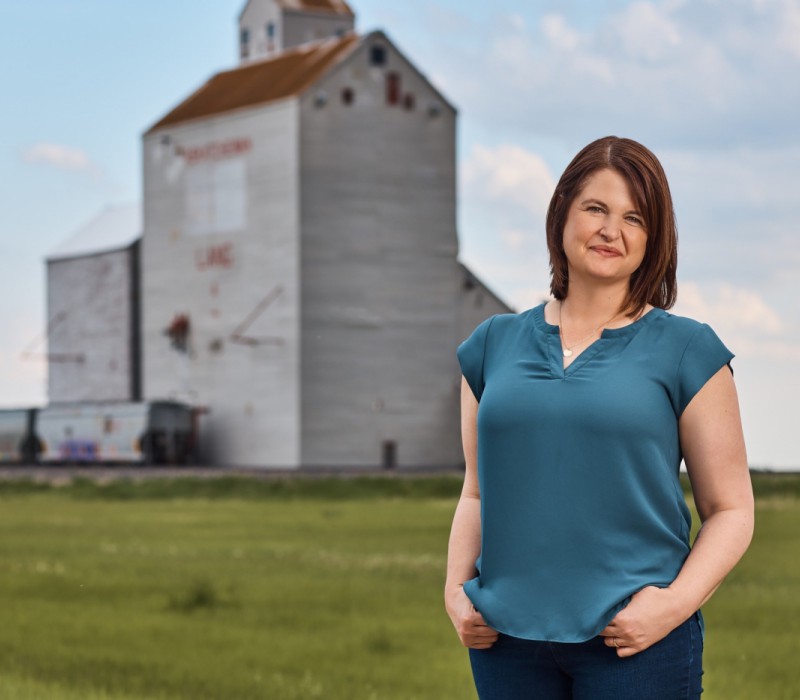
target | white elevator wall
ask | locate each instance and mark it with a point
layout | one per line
(380, 279)
(233, 268)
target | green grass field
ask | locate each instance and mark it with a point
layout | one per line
(303, 589)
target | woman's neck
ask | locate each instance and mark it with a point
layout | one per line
(591, 305)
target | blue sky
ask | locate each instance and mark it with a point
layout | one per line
(709, 86)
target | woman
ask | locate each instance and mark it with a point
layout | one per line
(570, 573)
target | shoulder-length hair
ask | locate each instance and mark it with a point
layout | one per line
(654, 282)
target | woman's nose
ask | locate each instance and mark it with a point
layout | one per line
(611, 230)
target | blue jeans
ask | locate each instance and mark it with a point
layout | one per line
(521, 669)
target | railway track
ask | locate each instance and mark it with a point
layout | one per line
(62, 474)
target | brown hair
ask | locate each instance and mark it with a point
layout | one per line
(654, 282)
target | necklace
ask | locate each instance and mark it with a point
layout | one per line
(567, 349)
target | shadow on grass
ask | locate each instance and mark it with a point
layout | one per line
(200, 595)
(329, 488)
(326, 488)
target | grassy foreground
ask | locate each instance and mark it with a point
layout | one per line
(237, 589)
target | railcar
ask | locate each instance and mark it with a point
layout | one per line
(150, 432)
(18, 441)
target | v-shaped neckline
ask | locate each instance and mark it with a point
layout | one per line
(556, 354)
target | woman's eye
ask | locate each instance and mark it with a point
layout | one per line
(635, 220)
(593, 208)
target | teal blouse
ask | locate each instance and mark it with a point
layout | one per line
(581, 504)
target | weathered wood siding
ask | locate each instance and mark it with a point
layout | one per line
(257, 14)
(380, 282)
(89, 306)
(302, 27)
(291, 28)
(221, 246)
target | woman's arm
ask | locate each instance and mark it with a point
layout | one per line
(713, 448)
(465, 537)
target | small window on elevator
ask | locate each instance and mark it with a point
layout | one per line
(244, 43)
(377, 55)
(270, 30)
(392, 88)
(348, 96)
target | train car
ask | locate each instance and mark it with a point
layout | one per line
(160, 432)
(18, 441)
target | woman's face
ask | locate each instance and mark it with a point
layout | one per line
(604, 235)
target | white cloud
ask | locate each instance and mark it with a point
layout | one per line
(23, 381)
(559, 34)
(737, 217)
(789, 27)
(514, 238)
(748, 324)
(528, 297)
(517, 22)
(509, 175)
(730, 307)
(515, 58)
(442, 16)
(667, 72)
(745, 177)
(62, 157)
(646, 31)
(504, 192)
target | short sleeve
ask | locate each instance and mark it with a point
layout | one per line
(471, 355)
(702, 358)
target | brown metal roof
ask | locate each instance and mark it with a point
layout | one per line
(340, 7)
(287, 74)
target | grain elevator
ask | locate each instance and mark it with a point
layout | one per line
(297, 271)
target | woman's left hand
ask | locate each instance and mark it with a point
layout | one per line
(651, 615)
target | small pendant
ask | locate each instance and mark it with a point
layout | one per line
(567, 352)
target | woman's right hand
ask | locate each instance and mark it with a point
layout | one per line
(472, 629)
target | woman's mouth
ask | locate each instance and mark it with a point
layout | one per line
(606, 252)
